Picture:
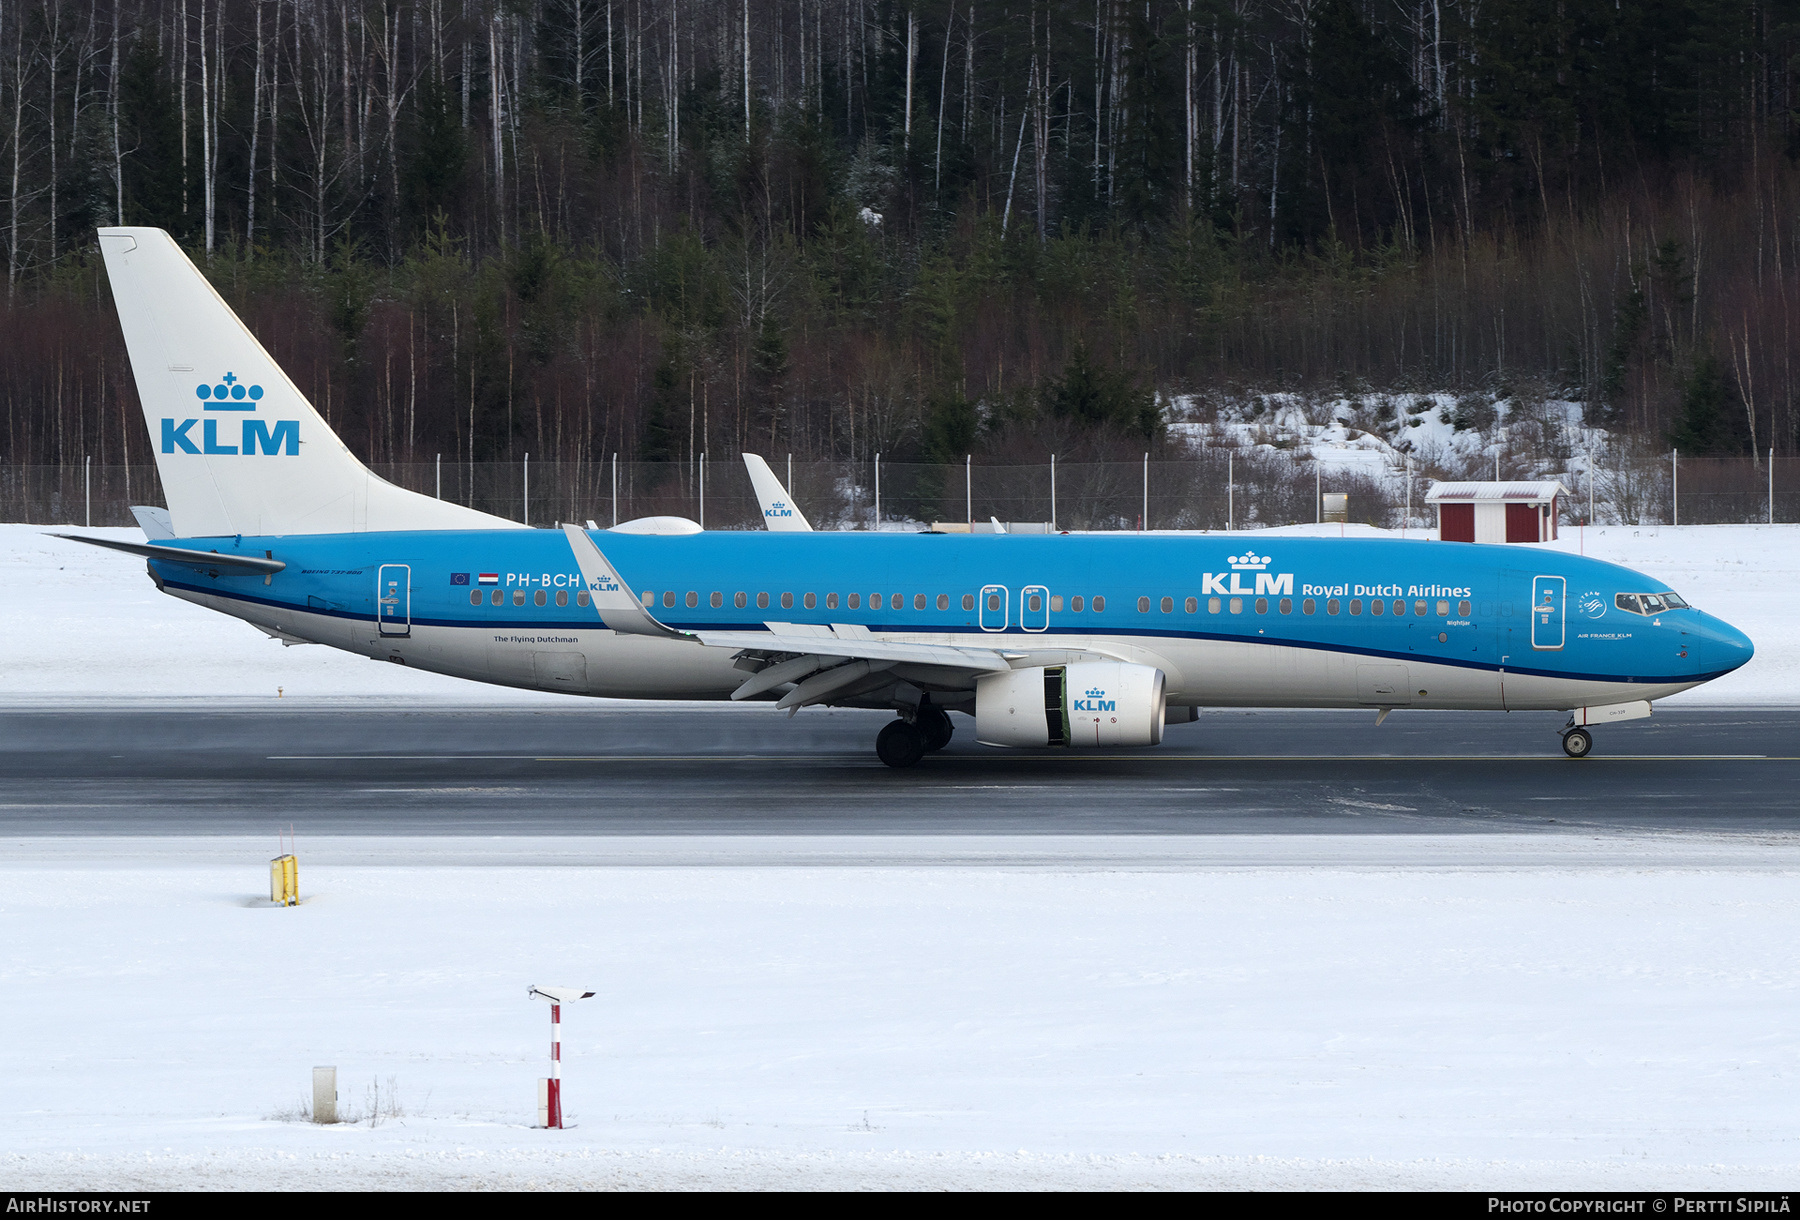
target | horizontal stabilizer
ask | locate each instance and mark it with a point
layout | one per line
(201, 559)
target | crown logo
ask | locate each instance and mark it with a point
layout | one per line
(1249, 561)
(1096, 693)
(229, 394)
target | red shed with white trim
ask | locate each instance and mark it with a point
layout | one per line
(1496, 512)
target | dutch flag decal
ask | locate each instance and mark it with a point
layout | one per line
(488, 578)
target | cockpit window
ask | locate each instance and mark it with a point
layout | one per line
(1649, 603)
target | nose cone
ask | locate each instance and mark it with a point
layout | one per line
(1726, 648)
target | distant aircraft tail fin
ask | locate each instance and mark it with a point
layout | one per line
(779, 511)
(239, 448)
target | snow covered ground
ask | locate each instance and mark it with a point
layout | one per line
(1264, 1012)
(81, 622)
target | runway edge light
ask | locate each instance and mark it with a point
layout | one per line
(550, 1116)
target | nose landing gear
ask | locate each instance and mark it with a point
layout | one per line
(1577, 742)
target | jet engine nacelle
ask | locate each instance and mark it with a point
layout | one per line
(1090, 703)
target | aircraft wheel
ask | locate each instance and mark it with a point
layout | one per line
(934, 723)
(900, 744)
(1577, 743)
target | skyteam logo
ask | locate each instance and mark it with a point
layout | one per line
(778, 509)
(1094, 700)
(1268, 584)
(280, 439)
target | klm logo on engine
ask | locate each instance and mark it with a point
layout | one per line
(276, 438)
(1267, 583)
(1094, 700)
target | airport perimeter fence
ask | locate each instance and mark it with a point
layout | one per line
(1217, 489)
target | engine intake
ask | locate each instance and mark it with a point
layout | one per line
(1090, 703)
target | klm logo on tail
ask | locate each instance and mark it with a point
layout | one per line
(278, 438)
(778, 509)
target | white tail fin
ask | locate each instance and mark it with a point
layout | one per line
(239, 448)
(779, 511)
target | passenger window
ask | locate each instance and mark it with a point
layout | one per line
(1262, 605)
(1505, 609)
(1399, 608)
(1191, 605)
(497, 597)
(1212, 605)
(944, 602)
(1237, 605)
(669, 598)
(1308, 606)
(1143, 605)
(1034, 603)
(919, 601)
(1376, 607)
(1356, 605)
(718, 599)
(518, 597)
(581, 598)
(1331, 605)
(1287, 605)
(540, 597)
(1419, 609)
(787, 601)
(1075, 603)
(897, 600)
(810, 600)
(648, 598)
(1462, 608)
(831, 601)
(562, 597)
(474, 597)
(969, 601)
(693, 599)
(993, 602)
(1099, 604)
(874, 601)
(1443, 610)
(1168, 605)
(762, 601)
(738, 600)
(856, 601)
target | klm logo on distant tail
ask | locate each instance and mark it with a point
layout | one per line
(778, 509)
(1268, 584)
(278, 438)
(1094, 700)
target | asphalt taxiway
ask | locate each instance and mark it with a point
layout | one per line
(388, 768)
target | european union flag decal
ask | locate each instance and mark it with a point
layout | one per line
(459, 578)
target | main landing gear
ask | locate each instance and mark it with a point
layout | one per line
(902, 743)
(1577, 743)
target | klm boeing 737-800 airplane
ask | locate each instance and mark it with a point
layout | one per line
(1058, 640)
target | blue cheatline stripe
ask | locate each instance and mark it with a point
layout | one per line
(1011, 634)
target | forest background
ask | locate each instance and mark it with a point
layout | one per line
(837, 228)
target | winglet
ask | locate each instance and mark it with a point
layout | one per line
(617, 605)
(780, 514)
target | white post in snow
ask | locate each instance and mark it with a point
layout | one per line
(1675, 486)
(1053, 493)
(324, 1107)
(969, 488)
(1230, 492)
(615, 487)
(87, 481)
(1771, 485)
(1318, 493)
(527, 496)
(878, 493)
(550, 1113)
(703, 489)
(1144, 521)
(790, 482)
(440, 476)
